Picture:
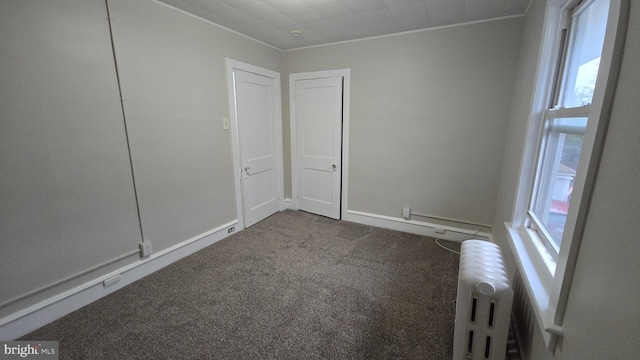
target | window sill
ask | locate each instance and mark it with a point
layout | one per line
(537, 278)
(542, 252)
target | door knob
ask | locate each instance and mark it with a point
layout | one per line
(247, 169)
(334, 167)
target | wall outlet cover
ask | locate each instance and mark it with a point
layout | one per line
(406, 212)
(145, 248)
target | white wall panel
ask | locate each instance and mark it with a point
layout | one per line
(67, 198)
(172, 69)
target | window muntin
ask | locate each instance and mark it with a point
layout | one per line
(566, 120)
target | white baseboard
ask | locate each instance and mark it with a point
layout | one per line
(415, 227)
(33, 317)
(290, 204)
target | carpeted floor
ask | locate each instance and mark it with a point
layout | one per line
(294, 286)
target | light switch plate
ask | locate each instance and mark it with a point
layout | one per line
(225, 124)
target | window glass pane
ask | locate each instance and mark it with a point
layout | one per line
(589, 25)
(561, 154)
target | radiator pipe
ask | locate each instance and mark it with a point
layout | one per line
(450, 219)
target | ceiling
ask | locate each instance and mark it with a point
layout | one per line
(328, 21)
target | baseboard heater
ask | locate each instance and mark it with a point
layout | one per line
(483, 308)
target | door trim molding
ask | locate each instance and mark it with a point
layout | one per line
(346, 91)
(233, 65)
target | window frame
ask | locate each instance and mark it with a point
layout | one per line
(549, 150)
(546, 276)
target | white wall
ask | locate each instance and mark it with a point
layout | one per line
(519, 113)
(428, 117)
(66, 186)
(67, 190)
(603, 313)
(175, 89)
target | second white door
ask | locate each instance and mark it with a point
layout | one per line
(318, 121)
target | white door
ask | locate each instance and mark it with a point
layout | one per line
(256, 111)
(318, 121)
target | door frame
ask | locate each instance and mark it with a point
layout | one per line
(346, 90)
(233, 65)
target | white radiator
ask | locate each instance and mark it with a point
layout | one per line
(483, 307)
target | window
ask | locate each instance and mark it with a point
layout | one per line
(581, 38)
(578, 63)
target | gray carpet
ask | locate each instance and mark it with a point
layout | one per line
(294, 286)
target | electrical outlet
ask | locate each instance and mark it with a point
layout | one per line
(406, 212)
(231, 229)
(438, 231)
(145, 248)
